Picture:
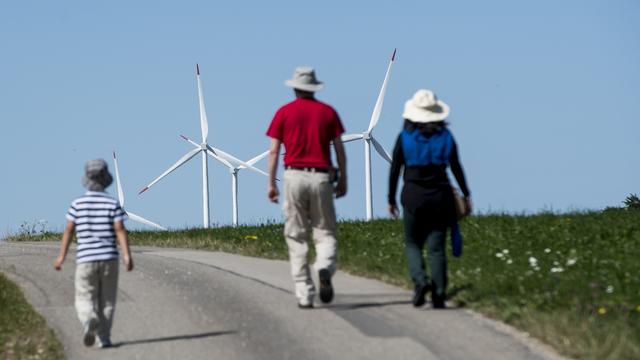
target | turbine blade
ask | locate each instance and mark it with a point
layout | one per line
(350, 137)
(179, 163)
(140, 219)
(258, 158)
(381, 150)
(235, 162)
(378, 107)
(120, 192)
(204, 124)
(215, 155)
(191, 141)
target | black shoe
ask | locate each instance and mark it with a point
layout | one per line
(437, 301)
(305, 307)
(326, 290)
(419, 295)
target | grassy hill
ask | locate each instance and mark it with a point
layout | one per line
(571, 280)
(23, 332)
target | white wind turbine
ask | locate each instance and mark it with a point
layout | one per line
(235, 166)
(368, 138)
(131, 215)
(205, 149)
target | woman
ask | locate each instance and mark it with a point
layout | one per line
(425, 148)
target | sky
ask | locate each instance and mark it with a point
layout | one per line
(544, 98)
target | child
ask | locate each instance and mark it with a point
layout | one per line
(97, 220)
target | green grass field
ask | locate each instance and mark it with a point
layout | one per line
(23, 333)
(571, 280)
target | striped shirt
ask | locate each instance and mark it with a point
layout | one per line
(94, 215)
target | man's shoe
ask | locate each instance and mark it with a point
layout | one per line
(305, 306)
(326, 289)
(90, 328)
(419, 294)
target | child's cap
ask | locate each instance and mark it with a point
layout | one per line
(97, 176)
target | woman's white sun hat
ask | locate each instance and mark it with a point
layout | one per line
(425, 107)
(304, 78)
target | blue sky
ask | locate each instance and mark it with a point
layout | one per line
(543, 94)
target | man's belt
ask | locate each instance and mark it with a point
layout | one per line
(308, 169)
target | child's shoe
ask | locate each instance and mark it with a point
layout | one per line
(90, 332)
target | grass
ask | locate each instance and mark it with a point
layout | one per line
(23, 332)
(571, 280)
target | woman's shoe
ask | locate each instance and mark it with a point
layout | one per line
(419, 294)
(437, 301)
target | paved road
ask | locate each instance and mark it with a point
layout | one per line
(184, 304)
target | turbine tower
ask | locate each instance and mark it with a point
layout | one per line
(368, 138)
(205, 149)
(132, 216)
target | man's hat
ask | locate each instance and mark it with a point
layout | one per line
(304, 78)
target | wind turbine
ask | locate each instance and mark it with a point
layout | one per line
(205, 149)
(131, 215)
(235, 165)
(368, 138)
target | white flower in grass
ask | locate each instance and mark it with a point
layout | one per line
(505, 251)
(609, 289)
(557, 269)
(499, 255)
(509, 261)
(547, 250)
(533, 261)
(571, 262)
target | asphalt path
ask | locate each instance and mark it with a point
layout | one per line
(186, 304)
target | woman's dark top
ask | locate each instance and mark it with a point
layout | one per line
(425, 152)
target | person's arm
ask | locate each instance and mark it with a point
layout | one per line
(64, 246)
(397, 162)
(458, 173)
(274, 152)
(341, 158)
(123, 241)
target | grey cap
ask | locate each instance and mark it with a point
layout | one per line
(304, 78)
(96, 175)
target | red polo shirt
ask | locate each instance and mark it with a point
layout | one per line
(306, 127)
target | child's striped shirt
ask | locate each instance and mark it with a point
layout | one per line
(94, 215)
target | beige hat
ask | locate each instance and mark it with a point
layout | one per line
(425, 107)
(304, 78)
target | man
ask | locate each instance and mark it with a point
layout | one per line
(307, 127)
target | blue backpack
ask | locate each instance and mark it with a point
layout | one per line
(420, 151)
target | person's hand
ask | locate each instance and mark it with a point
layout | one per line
(58, 263)
(393, 211)
(273, 194)
(341, 188)
(128, 263)
(469, 204)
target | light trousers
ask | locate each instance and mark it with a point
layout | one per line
(96, 285)
(309, 214)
